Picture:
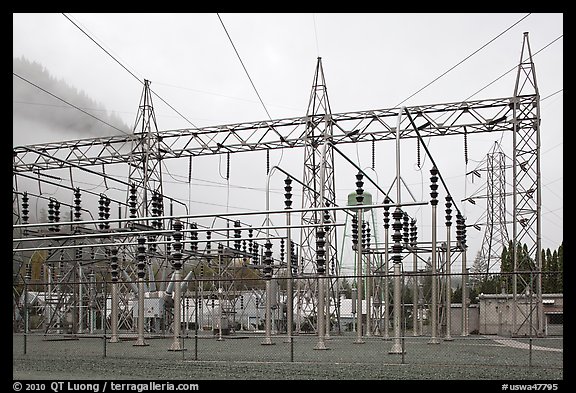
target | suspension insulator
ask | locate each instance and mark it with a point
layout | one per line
(465, 146)
(228, 166)
(267, 161)
(373, 154)
(418, 152)
(359, 189)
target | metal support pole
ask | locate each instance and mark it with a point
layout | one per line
(268, 276)
(359, 288)
(80, 301)
(434, 303)
(448, 336)
(141, 257)
(176, 344)
(289, 289)
(368, 297)
(386, 304)
(397, 257)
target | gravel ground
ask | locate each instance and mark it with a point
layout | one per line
(244, 358)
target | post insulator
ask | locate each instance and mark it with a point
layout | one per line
(101, 211)
(386, 213)
(281, 251)
(51, 212)
(77, 202)
(106, 212)
(177, 236)
(288, 192)
(363, 234)
(208, 242)
(354, 232)
(448, 211)
(141, 257)
(326, 216)
(194, 237)
(237, 235)
(320, 251)
(434, 186)
(114, 264)
(367, 236)
(132, 200)
(293, 259)
(359, 189)
(56, 215)
(413, 233)
(397, 236)
(255, 255)
(406, 229)
(25, 206)
(268, 260)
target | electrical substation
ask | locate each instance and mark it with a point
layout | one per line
(145, 266)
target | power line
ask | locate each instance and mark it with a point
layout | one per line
(130, 72)
(243, 66)
(462, 61)
(72, 105)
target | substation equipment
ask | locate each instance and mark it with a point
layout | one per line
(136, 269)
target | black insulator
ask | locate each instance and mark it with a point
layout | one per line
(363, 234)
(267, 161)
(418, 152)
(354, 232)
(386, 213)
(155, 209)
(237, 235)
(448, 211)
(208, 243)
(288, 192)
(250, 245)
(244, 249)
(160, 210)
(367, 236)
(141, 257)
(405, 227)
(168, 246)
(106, 212)
(51, 210)
(465, 146)
(132, 200)
(293, 258)
(77, 206)
(397, 236)
(268, 260)
(326, 216)
(101, 211)
(25, 206)
(177, 236)
(78, 254)
(281, 251)
(194, 237)
(255, 255)
(359, 189)
(228, 166)
(434, 186)
(151, 245)
(320, 252)
(413, 233)
(459, 229)
(373, 154)
(56, 215)
(220, 249)
(202, 270)
(114, 263)
(241, 302)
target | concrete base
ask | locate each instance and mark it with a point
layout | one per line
(140, 343)
(448, 339)
(359, 341)
(267, 341)
(114, 340)
(396, 349)
(320, 346)
(176, 346)
(434, 341)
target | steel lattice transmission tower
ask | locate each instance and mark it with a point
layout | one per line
(495, 232)
(320, 192)
(144, 163)
(526, 216)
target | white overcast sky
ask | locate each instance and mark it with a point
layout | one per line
(370, 60)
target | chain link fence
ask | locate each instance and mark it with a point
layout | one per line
(241, 320)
